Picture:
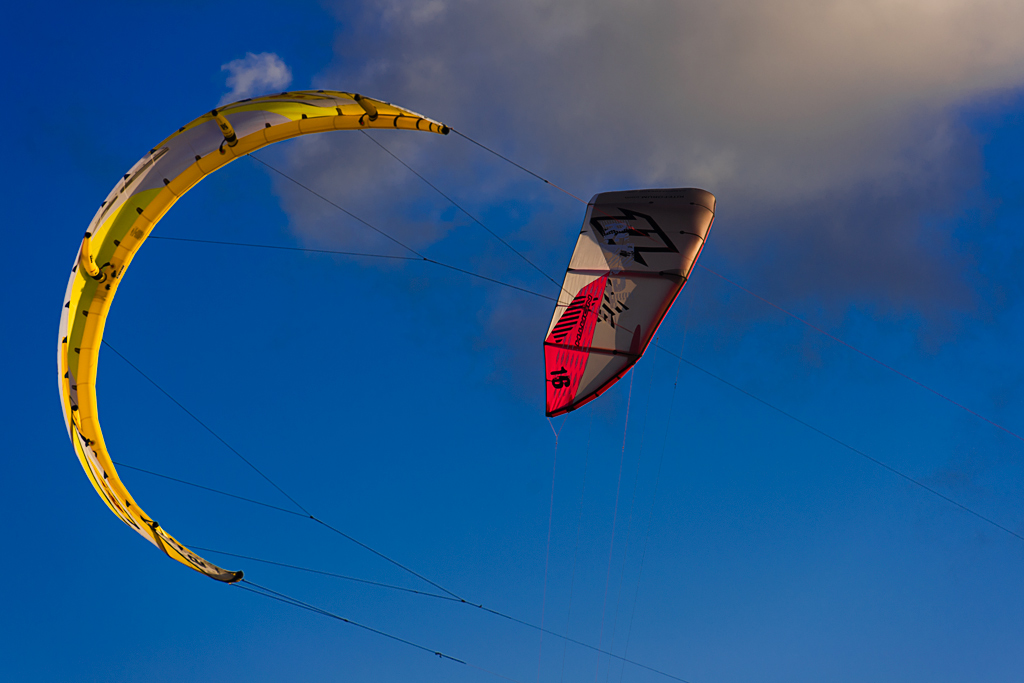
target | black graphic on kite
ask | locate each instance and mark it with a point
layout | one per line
(606, 227)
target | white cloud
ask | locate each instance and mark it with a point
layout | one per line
(801, 95)
(255, 74)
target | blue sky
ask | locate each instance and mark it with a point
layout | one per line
(865, 157)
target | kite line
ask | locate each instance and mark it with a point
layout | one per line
(449, 595)
(859, 452)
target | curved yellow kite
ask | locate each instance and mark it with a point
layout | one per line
(124, 221)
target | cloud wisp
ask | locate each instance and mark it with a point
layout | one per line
(255, 74)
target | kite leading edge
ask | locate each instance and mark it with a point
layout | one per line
(125, 220)
(635, 252)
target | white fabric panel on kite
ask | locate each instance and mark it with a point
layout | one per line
(635, 252)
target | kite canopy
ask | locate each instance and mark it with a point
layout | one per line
(124, 221)
(634, 254)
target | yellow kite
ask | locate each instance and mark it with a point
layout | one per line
(125, 220)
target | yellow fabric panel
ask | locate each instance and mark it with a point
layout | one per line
(119, 231)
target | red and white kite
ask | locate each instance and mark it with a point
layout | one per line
(634, 254)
